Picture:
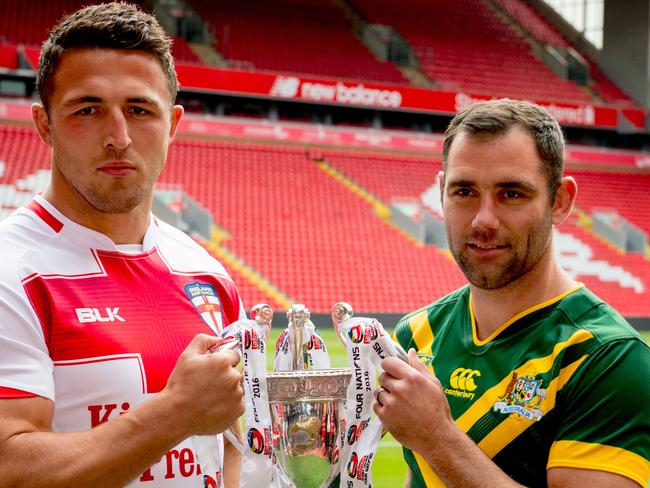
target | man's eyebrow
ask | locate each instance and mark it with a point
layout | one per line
(514, 184)
(517, 184)
(82, 99)
(459, 183)
(95, 99)
(141, 100)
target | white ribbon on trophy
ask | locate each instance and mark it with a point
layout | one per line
(209, 448)
(258, 449)
(249, 337)
(367, 343)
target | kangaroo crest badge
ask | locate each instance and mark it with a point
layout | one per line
(523, 396)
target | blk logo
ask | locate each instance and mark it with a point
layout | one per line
(86, 315)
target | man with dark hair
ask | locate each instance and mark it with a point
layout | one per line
(524, 377)
(108, 315)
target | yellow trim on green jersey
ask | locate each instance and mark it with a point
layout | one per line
(512, 426)
(431, 479)
(422, 333)
(421, 330)
(539, 365)
(514, 319)
(599, 457)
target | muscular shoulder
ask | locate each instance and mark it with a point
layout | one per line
(186, 252)
(603, 393)
(21, 233)
(583, 311)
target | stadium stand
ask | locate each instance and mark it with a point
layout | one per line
(22, 153)
(304, 231)
(621, 278)
(463, 45)
(387, 176)
(29, 22)
(543, 33)
(297, 36)
(319, 242)
(8, 56)
(320, 236)
(182, 51)
(24, 163)
(624, 192)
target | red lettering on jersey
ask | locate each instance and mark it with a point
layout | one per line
(170, 465)
(102, 413)
(96, 415)
(186, 462)
(147, 476)
(187, 465)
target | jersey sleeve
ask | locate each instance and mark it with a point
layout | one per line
(605, 424)
(402, 333)
(25, 364)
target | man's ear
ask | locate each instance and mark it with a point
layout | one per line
(564, 199)
(42, 123)
(176, 116)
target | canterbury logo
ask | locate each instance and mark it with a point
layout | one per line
(463, 379)
(94, 315)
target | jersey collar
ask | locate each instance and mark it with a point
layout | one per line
(62, 224)
(517, 317)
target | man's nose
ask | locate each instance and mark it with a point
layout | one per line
(116, 130)
(486, 215)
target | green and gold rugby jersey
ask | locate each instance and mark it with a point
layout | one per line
(563, 384)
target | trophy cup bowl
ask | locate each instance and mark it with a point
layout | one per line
(307, 407)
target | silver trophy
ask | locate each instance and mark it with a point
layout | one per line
(307, 407)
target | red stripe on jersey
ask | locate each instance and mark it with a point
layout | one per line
(45, 216)
(138, 306)
(6, 392)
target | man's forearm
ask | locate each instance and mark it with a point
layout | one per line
(112, 454)
(462, 463)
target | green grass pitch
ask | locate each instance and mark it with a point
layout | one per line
(389, 469)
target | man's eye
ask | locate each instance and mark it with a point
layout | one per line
(138, 111)
(87, 111)
(511, 194)
(463, 192)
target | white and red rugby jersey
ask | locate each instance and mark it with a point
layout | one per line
(97, 330)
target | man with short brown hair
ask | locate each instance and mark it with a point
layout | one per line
(107, 315)
(524, 376)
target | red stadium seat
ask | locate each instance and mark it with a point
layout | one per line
(464, 46)
(297, 36)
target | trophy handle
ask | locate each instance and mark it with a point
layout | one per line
(262, 314)
(341, 311)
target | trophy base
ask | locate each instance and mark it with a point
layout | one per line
(308, 471)
(306, 416)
